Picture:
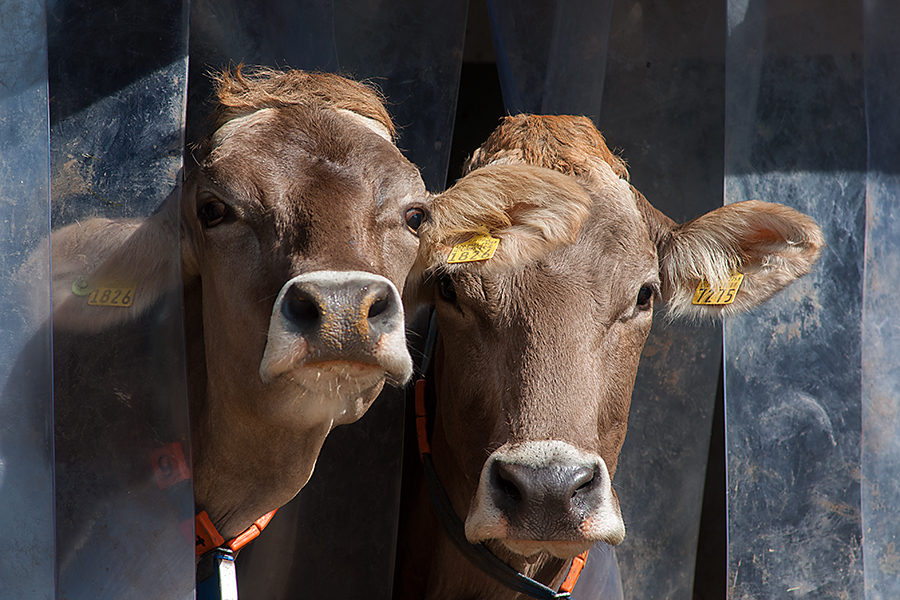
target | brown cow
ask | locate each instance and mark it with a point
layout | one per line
(297, 231)
(538, 347)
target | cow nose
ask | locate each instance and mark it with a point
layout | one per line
(534, 494)
(341, 317)
(554, 496)
(366, 306)
(347, 316)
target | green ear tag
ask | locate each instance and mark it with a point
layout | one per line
(720, 295)
(81, 287)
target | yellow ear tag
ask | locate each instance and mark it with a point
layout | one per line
(116, 293)
(719, 295)
(480, 246)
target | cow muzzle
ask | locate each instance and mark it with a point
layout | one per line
(346, 320)
(545, 496)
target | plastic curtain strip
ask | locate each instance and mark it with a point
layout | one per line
(27, 557)
(811, 384)
(124, 499)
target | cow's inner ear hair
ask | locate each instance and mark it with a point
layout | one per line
(770, 245)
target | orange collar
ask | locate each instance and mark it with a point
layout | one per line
(208, 538)
(574, 572)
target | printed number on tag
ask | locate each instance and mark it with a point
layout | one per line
(112, 295)
(478, 247)
(169, 465)
(719, 295)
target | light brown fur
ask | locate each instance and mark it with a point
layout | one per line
(530, 209)
(244, 91)
(771, 244)
(544, 348)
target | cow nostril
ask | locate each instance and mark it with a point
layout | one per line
(379, 306)
(507, 486)
(299, 308)
(511, 491)
(585, 485)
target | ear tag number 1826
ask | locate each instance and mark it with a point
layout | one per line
(719, 295)
(114, 294)
(481, 246)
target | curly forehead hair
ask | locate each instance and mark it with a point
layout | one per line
(245, 90)
(567, 144)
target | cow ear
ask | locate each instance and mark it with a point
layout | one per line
(106, 272)
(529, 209)
(769, 244)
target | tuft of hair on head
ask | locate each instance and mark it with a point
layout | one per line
(566, 143)
(244, 90)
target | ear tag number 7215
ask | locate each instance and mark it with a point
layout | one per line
(719, 295)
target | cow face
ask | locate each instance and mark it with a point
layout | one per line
(539, 345)
(537, 359)
(300, 229)
(567, 330)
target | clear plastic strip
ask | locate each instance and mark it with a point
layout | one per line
(880, 496)
(413, 53)
(124, 499)
(27, 554)
(795, 134)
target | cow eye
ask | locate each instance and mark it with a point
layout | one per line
(645, 296)
(415, 217)
(212, 213)
(446, 289)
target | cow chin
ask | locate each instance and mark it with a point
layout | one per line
(350, 386)
(558, 548)
(530, 548)
(324, 376)
(323, 394)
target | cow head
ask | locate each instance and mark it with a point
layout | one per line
(297, 229)
(539, 345)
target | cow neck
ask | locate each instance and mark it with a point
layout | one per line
(478, 554)
(208, 537)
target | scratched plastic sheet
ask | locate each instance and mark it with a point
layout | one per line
(811, 377)
(27, 554)
(651, 76)
(880, 494)
(337, 537)
(124, 502)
